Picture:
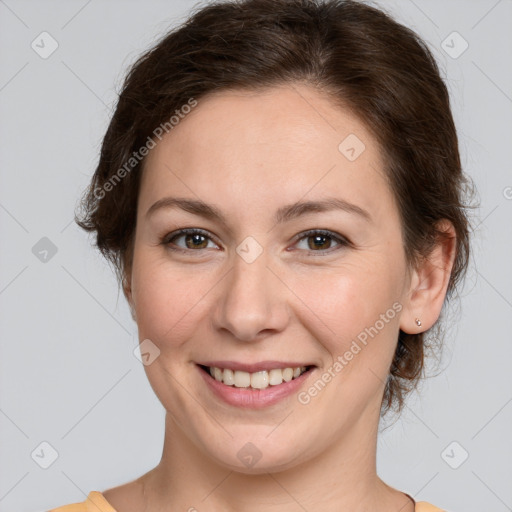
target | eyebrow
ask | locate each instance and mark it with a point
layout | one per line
(283, 214)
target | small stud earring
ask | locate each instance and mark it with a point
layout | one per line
(418, 322)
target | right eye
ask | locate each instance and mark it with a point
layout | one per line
(194, 240)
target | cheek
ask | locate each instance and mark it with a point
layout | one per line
(167, 299)
(357, 320)
(357, 314)
(347, 300)
(336, 305)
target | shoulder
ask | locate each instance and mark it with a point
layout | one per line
(95, 501)
(74, 507)
(423, 506)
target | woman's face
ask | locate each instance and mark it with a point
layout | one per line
(254, 292)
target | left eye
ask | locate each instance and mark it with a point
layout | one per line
(317, 240)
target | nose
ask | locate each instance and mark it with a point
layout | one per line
(253, 301)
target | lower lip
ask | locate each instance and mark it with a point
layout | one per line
(253, 398)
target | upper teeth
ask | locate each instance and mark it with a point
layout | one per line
(257, 380)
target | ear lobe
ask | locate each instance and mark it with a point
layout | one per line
(430, 283)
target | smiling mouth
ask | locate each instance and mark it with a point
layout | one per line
(256, 380)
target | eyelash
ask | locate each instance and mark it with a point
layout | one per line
(343, 242)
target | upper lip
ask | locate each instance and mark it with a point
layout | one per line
(254, 367)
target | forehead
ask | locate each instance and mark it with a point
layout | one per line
(282, 117)
(264, 146)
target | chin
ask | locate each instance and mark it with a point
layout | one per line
(264, 465)
(259, 454)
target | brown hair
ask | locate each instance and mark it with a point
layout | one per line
(358, 56)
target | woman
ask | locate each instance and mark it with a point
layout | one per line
(280, 192)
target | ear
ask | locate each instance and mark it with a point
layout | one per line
(429, 283)
(127, 290)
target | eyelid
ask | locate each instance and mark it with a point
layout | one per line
(187, 231)
(341, 240)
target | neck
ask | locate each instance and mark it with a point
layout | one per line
(342, 478)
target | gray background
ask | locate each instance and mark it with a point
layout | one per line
(68, 374)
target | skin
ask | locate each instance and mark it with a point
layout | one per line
(249, 154)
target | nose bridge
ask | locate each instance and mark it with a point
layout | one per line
(251, 300)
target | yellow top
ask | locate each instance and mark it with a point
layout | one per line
(96, 502)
